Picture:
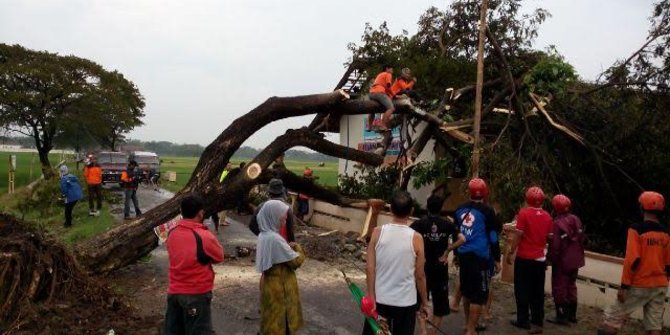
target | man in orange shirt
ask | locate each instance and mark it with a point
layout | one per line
(380, 91)
(644, 281)
(93, 176)
(404, 84)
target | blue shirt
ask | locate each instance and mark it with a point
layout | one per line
(70, 188)
(478, 223)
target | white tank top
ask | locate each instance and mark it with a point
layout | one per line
(394, 282)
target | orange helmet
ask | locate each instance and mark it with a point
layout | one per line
(651, 201)
(307, 172)
(535, 196)
(478, 189)
(561, 203)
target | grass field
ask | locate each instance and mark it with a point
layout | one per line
(27, 168)
(184, 167)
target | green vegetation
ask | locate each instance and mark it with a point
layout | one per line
(42, 206)
(184, 167)
(23, 175)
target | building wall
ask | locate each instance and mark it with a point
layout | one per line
(352, 135)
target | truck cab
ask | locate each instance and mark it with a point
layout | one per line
(148, 162)
(112, 164)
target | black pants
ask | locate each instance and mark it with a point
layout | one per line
(68, 213)
(94, 196)
(401, 319)
(529, 278)
(188, 314)
(131, 194)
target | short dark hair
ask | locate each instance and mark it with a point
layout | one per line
(434, 204)
(387, 66)
(191, 205)
(402, 204)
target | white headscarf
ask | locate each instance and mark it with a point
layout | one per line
(63, 170)
(271, 247)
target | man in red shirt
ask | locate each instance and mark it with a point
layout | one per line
(534, 226)
(404, 84)
(380, 91)
(192, 249)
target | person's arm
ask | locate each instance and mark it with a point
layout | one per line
(290, 232)
(212, 247)
(371, 268)
(296, 262)
(63, 186)
(420, 275)
(388, 82)
(253, 224)
(494, 228)
(632, 258)
(555, 244)
(517, 232)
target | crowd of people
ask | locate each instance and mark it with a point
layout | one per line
(71, 190)
(407, 264)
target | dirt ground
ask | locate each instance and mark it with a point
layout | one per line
(328, 307)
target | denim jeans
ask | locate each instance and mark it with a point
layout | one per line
(131, 194)
(188, 314)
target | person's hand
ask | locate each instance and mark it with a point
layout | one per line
(621, 295)
(424, 312)
(414, 79)
(498, 267)
(444, 259)
(293, 245)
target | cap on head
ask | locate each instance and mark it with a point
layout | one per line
(651, 201)
(478, 189)
(535, 196)
(276, 187)
(561, 203)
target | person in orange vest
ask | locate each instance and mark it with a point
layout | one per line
(93, 176)
(404, 84)
(646, 270)
(380, 91)
(130, 177)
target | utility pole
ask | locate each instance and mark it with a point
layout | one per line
(476, 150)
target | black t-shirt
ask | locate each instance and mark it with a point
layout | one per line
(435, 232)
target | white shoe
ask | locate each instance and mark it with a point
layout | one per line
(91, 213)
(97, 213)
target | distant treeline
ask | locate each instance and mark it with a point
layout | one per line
(165, 148)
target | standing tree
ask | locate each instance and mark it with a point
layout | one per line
(42, 94)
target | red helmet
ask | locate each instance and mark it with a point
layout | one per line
(535, 196)
(561, 203)
(478, 189)
(651, 201)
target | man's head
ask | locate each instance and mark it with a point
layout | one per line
(276, 188)
(561, 203)
(406, 74)
(388, 68)
(434, 204)
(402, 205)
(192, 208)
(652, 205)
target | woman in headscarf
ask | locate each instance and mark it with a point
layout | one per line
(277, 260)
(71, 191)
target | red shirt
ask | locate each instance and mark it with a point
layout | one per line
(536, 224)
(186, 275)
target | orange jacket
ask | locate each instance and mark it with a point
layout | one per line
(382, 84)
(647, 256)
(401, 84)
(93, 174)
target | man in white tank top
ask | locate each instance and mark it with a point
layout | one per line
(395, 270)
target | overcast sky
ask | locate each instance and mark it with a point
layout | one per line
(202, 64)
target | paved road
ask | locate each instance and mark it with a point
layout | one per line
(327, 304)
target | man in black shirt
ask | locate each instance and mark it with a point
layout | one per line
(436, 232)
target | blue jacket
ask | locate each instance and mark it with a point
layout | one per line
(70, 188)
